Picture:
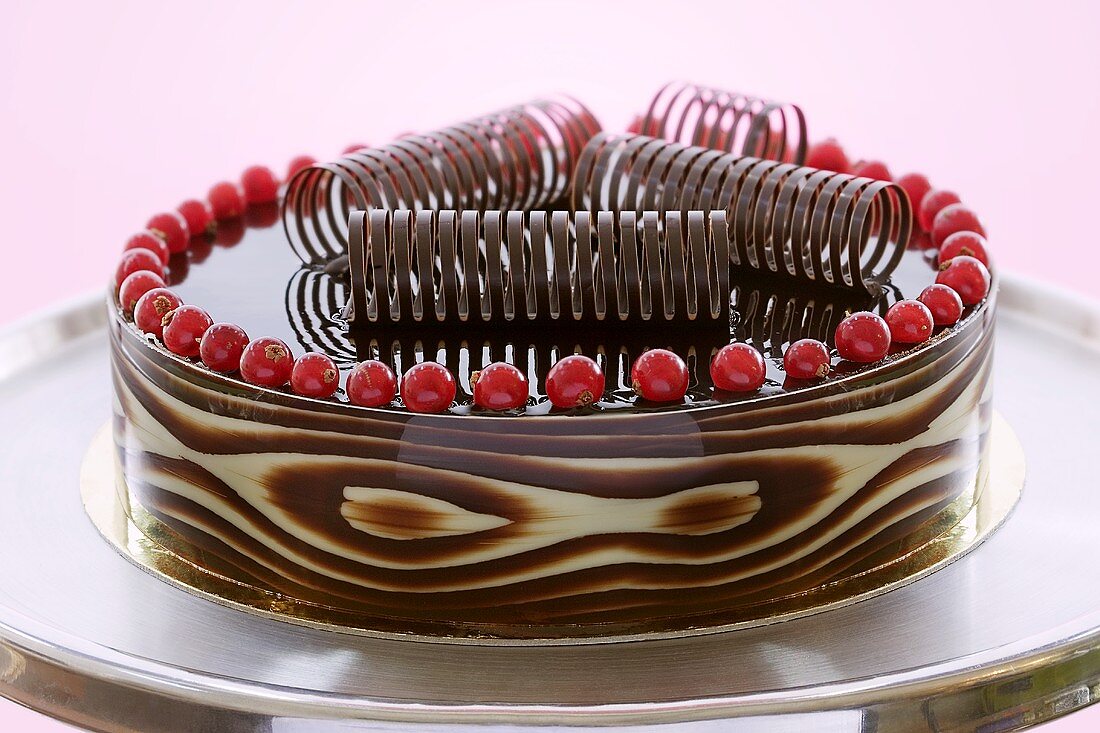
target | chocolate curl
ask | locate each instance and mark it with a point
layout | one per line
(817, 226)
(451, 267)
(519, 158)
(735, 123)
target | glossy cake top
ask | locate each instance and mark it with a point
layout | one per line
(814, 259)
(247, 274)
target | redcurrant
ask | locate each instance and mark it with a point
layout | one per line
(299, 163)
(267, 362)
(151, 309)
(944, 304)
(863, 337)
(874, 169)
(136, 260)
(136, 285)
(184, 328)
(148, 240)
(428, 387)
(807, 359)
(574, 381)
(199, 217)
(967, 276)
(931, 205)
(910, 322)
(916, 186)
(314, 375)
(827, 155)
(738, 368)
(965, 243)
(354, 148)
(500, 386)
(371, 384)
(954, 218)
(659, 375)
(170, 227)
(259, 184)
(222, 346)
(226, 201)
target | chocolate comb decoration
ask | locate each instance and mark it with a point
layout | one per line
(813, 225)
(516, 267)
(736, 123)
(519, 158)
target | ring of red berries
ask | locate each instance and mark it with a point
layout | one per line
(574, 381)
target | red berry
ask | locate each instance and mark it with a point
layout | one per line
(225, 200)
(954, 218)
(298, 164)
(863, 337)
(807, 359)
(314, 375)
(354, 148)
(222, 346)
(944, 304)
(267, 362)
(184, 328)
(136, 260)
(875, 169)
(428, 387)
(259, 184)
(915, 186)
(659, 375)
(500, 386)
(152, 308)
(910, 322)
(827, 155)
(198, 215)
(635, 125)
(965, 243)
(170, 227)
(151, 242)
(574, 381)
(931, 205)
(371, 384)
(738, 368)
(136, 285)
(967, 276)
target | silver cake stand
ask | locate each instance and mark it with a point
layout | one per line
(1005, 637)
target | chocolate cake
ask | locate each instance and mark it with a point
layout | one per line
(807, 408)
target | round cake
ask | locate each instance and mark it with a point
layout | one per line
(526, 464)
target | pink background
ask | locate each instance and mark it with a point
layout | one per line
(113, 111)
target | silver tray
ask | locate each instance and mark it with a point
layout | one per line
(1005, 637)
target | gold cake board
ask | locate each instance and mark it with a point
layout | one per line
(143, 541)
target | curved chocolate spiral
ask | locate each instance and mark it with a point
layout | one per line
(519, 158)
(736, 123)
(810, 224)
(496, 267)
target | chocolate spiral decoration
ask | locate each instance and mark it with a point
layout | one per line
(729, 121)
(814, 225)
(496, 267)
(520, 158)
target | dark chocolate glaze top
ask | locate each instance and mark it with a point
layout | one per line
(248, 275)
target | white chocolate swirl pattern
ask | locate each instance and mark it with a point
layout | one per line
(553, 525)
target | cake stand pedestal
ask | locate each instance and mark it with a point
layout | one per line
(1005, 637)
